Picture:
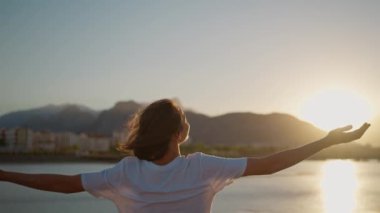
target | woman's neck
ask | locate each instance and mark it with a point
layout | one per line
(172, 153)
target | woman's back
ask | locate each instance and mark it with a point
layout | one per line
(186, 184)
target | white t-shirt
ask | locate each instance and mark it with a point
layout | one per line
(187, 184)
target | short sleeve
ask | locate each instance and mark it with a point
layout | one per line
(222, 171)
(103, 183)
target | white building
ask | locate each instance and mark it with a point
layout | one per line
(66, 142)
(16, 140)
(44, 141)
(93, 144)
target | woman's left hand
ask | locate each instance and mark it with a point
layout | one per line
(340, 135)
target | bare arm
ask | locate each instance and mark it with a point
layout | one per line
(46, 182)
(282, 160)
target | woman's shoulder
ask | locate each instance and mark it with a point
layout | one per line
(194, 155)
(200, 156)
(128, 160)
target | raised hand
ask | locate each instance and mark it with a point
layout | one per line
(340, 135)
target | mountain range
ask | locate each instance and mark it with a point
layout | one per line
(275, 129)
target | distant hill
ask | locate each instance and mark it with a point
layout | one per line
(247, 129)
(68, 117)
(276, 129)
(114, 119)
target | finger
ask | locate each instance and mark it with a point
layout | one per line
(345, 128)
(364, 127)
(359, 132)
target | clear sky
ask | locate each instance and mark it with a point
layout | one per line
(215, 56)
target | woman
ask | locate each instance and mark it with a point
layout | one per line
(159, 179)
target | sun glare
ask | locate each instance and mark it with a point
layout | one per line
(339, 186)
(330, 109)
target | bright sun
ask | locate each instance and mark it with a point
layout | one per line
(333, 108)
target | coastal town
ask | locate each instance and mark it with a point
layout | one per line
(25, 140)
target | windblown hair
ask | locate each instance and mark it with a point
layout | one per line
(151, 130)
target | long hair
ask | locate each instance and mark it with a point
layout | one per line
(151, 130)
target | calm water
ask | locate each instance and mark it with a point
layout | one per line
(311, 186)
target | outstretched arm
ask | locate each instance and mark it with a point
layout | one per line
(282, 160)
(46, 182)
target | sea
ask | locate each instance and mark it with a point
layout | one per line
(329, 186)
